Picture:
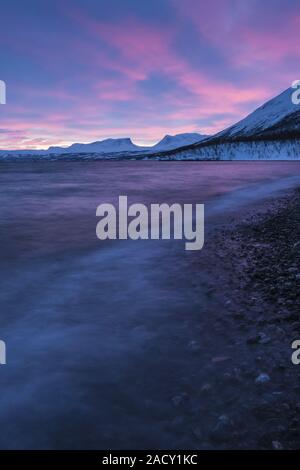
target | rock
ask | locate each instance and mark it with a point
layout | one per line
(263, 338)
(292, 270)
(178, 400)
(253, 339)
(260, 338)
(262, 379)
(277, 445)
(177, 421)
(198, 433)
(205, 388)
(222, 430)
(223, 419)
(238, 315)
(194, 346)
(227, 376)
(220, 359)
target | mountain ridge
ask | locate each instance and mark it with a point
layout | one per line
(117, 145)
(277, 120)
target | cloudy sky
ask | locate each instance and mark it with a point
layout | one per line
(85, 70)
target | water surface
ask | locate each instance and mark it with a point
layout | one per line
(98, 333)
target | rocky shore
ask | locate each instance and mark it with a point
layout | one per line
(265, 253)
(248, 396)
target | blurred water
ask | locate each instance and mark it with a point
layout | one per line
(97, 332)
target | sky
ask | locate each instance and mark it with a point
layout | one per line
(86, 70)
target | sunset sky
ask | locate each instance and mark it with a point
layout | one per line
(85, 70)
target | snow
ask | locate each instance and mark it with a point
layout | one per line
(102, 146)
(264, 117)
(113, 146)
(272, 132)
(170, 142)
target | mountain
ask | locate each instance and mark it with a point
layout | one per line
(102, 146)
(113, 146)
(271, 132)
(170, 142)
(276, 118)
(126, 145)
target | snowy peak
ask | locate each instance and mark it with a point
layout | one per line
(170, 142)
(102, 146)
(278, 115)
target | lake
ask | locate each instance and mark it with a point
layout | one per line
(99, 334)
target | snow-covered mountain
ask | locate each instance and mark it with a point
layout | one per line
(270, 132)
(113, 146)
(170, 142)
(102, 146)
(274, 118)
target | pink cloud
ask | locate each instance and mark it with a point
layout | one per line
(115, 59)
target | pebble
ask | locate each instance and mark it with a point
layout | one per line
(205, 388)
(260, 338)
(194, 346)
(178, 400)
(263, 338)
(222, 430)
(277, 445)
(220, 359)
(262, 379)
(198, 433)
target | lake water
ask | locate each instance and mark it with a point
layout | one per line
(97, 333)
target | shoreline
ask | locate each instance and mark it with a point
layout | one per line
(256, 263)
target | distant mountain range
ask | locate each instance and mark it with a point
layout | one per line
(270, 132)
(109, 146)
(101, 146)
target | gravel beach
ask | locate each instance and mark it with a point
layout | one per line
(253, 383)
